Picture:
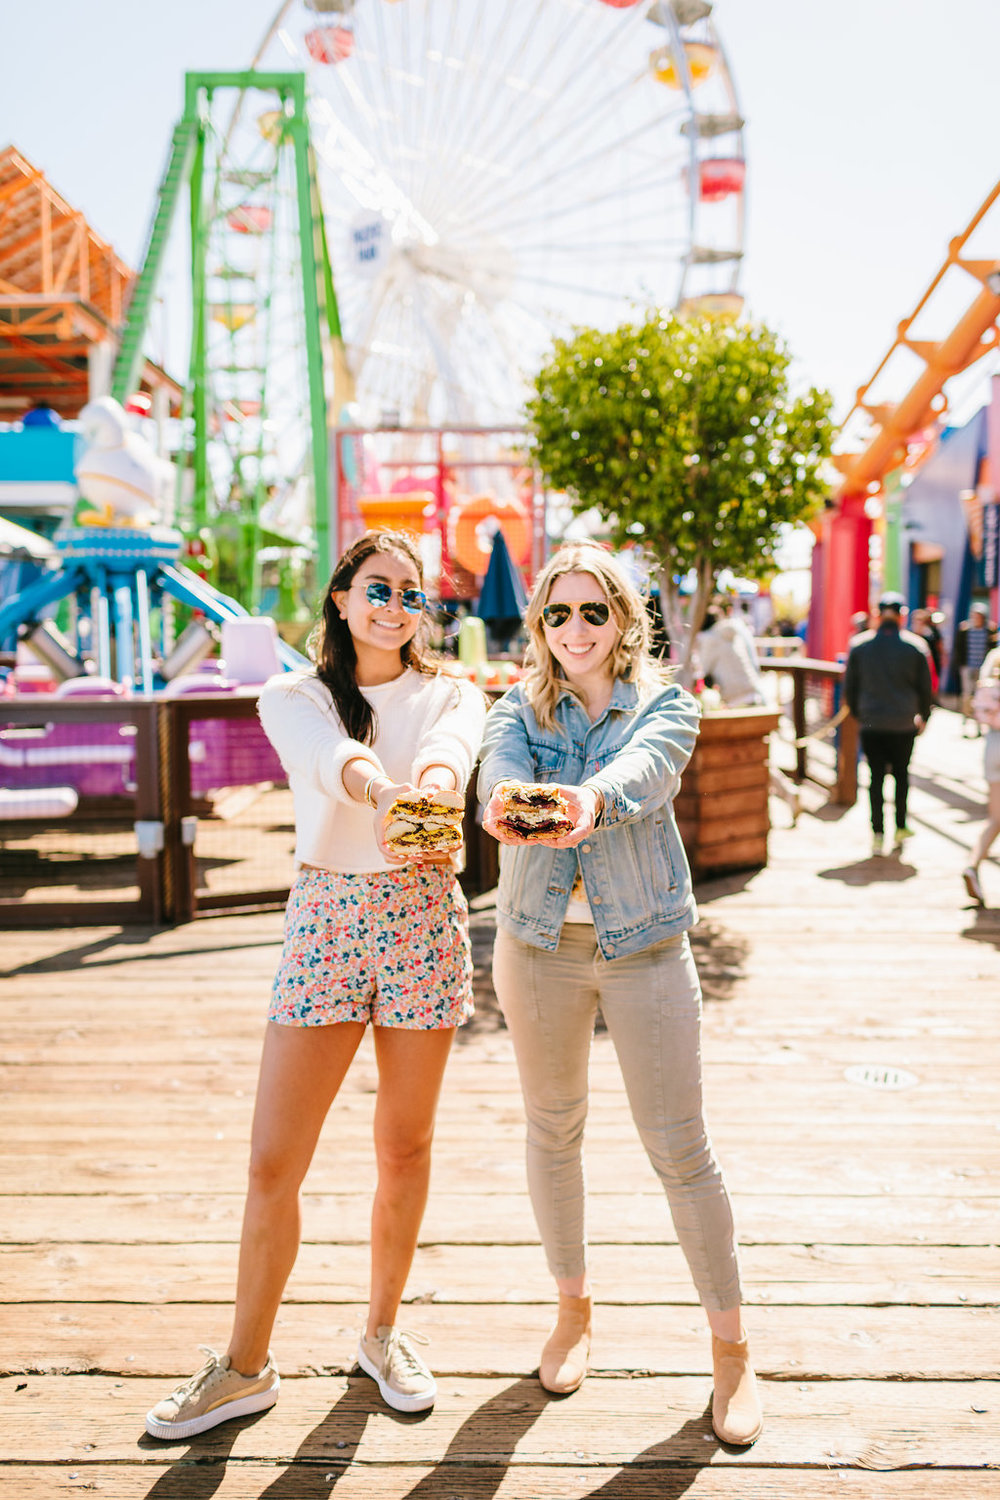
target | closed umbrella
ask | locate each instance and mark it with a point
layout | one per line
(503, 600)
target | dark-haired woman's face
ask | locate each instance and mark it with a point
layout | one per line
(374, 626)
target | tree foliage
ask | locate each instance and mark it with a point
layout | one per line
(683, 435)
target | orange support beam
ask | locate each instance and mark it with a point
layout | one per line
(841, 568)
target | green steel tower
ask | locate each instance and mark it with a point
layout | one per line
(266, 359)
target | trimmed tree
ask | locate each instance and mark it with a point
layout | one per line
(684, 437)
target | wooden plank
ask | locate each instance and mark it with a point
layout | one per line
(729, 777)
(844, 1116)
(737, 724)
(820, 1093)
(733, 801)
(735, 829)
(857, 1343)
(739, 854)
(113, 1216)
(651, 1420)
(95, 1166)
(204, 1271)
(498, 1126)
(650, 1478)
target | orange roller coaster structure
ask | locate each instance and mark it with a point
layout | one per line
(843, 532)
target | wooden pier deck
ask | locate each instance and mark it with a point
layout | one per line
(869, 1215)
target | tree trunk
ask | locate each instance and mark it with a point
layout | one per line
(683, 622)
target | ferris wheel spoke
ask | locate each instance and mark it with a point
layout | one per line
(639, 250)
(567, 287)
(557, 212)
(363, 103)
(526, 130)
(422, 128)
(524, 163)
(470, 187)
(554, 175)
(457, 97)
(530, 185)
(498, 147)
(381, 188)
(441, 101)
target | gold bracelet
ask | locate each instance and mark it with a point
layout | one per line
(368, 788)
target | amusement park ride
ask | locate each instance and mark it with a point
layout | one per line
(383, 242)
(899, 435)
(485, 182)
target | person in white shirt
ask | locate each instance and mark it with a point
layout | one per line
(370, 936)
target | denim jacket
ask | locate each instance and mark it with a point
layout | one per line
(634, 869)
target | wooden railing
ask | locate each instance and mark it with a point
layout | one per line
(807, 673)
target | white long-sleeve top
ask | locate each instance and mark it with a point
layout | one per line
(420, 721)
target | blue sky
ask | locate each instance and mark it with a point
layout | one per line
(871, 139)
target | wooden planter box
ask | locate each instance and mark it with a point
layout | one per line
(722, 807)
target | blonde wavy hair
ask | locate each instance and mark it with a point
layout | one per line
(630, 659)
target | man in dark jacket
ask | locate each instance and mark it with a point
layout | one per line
(887, 687)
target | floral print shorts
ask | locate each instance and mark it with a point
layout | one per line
(390, 947)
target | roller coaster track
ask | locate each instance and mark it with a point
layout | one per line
(974, 335)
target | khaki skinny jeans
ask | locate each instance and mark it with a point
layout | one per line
(651, 1003)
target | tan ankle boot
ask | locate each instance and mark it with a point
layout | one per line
(567, 1349)
(736, 1412)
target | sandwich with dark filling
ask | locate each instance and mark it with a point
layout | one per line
(533, 812)
(431, 824)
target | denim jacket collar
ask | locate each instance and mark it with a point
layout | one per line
(624, 699)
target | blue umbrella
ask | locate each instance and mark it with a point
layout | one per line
(503, 600)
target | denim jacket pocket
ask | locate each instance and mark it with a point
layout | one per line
(549, 757)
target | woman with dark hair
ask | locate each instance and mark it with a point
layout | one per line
(596, 918)
(370, 936)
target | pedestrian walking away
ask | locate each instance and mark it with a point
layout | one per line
(986, 707)
(372, 936)
(887, 687)
(593, 910)
(974, 639)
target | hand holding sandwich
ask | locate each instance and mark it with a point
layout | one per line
(542, 813)
(419, 825)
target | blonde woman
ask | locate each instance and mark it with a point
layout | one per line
(986, 707)
(598, 919)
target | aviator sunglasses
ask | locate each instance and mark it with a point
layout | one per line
(380, 595)
(594, 613)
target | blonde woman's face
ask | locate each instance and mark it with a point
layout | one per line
(582, 647)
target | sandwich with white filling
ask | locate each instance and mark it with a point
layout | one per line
(533, 812)
(430, 824)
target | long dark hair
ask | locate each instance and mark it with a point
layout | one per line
(331, 644)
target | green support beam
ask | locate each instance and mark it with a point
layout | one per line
(129, 361)
(323, 338)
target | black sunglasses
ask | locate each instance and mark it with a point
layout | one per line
(555, 615)
(380, 594)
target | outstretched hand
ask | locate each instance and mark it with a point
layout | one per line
(383, 802)
(583, 806)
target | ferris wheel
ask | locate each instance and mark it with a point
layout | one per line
(493, 174)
